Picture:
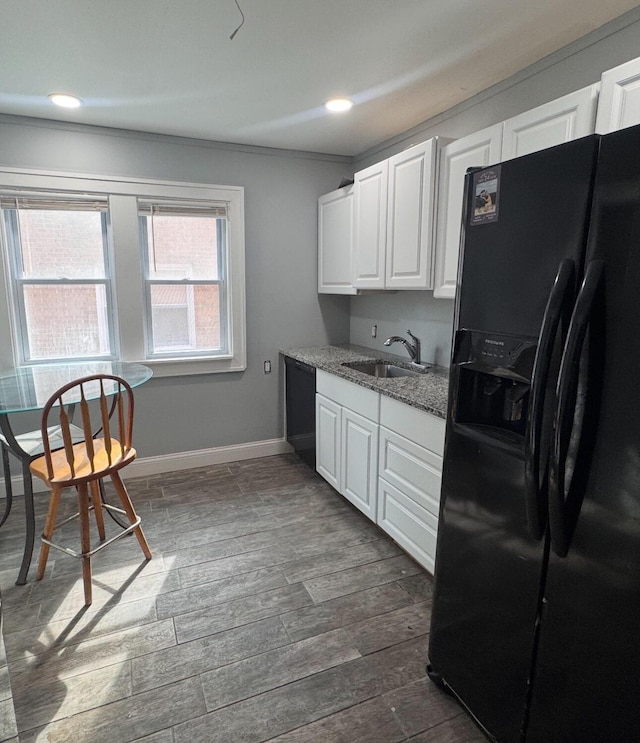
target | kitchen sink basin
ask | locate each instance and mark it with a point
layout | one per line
(383, 370)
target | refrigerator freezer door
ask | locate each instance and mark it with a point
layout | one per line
(588, 664)
(509, 264)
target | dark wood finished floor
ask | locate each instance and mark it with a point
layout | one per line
(272, 611)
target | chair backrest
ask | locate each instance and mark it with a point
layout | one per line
(106, 411)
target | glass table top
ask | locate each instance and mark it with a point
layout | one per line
(29, 387)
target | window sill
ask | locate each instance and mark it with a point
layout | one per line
(190, 367)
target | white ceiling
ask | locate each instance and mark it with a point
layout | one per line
(169, 66)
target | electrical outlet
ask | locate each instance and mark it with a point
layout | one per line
(374, 331)
(267, 367)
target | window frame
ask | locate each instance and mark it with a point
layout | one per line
(220, 282)
(18, 282)
(127, 264)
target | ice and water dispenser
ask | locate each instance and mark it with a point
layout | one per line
(494, 380)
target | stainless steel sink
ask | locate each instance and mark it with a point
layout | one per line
(383, 370)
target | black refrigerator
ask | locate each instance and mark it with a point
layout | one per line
(536, 608)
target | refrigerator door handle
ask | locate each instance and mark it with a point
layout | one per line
(579, 385)
(538, 436)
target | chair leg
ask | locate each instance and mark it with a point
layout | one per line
(96, 498)
(128, 507)
(49, 526)
(85, 540)
(30, 518)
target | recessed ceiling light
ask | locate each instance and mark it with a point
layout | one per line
(65, 100)
(338, 104)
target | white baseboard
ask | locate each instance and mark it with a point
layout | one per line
(186, 460)
(148, 466)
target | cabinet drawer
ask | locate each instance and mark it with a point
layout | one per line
(422, 428)
(412, 469)
(412, 527)
(350, 395)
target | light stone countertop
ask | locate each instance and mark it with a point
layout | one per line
(428, 392)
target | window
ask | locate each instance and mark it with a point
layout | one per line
(185, 258)
(145, 271)
(57, 251)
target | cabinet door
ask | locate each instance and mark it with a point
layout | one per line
(478, 149)
(562, 120)
(370, 226)
(359, 470)
(335, 242)
(328, 433)
(409, 262)
(619, 103)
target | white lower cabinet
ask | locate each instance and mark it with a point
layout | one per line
(347, 439)
(410, 475)
(385, 457)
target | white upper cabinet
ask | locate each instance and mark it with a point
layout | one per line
(394, 207)
(335, 242)
(553, 123)
(409, 253)
(476, 150)
(619, 104)
(399, 228)
(370, 226)
(562, 120)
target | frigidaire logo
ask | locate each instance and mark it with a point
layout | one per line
(494, 343)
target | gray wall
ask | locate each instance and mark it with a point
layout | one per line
(572, 68)
(394, 313)
(283, 307)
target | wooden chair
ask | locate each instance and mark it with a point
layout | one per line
(107, 423)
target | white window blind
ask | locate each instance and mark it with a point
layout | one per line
(174, 209)
(52, 202)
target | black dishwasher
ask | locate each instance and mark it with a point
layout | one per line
(301, 408)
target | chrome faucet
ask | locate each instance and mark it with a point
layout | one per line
(413, 346)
